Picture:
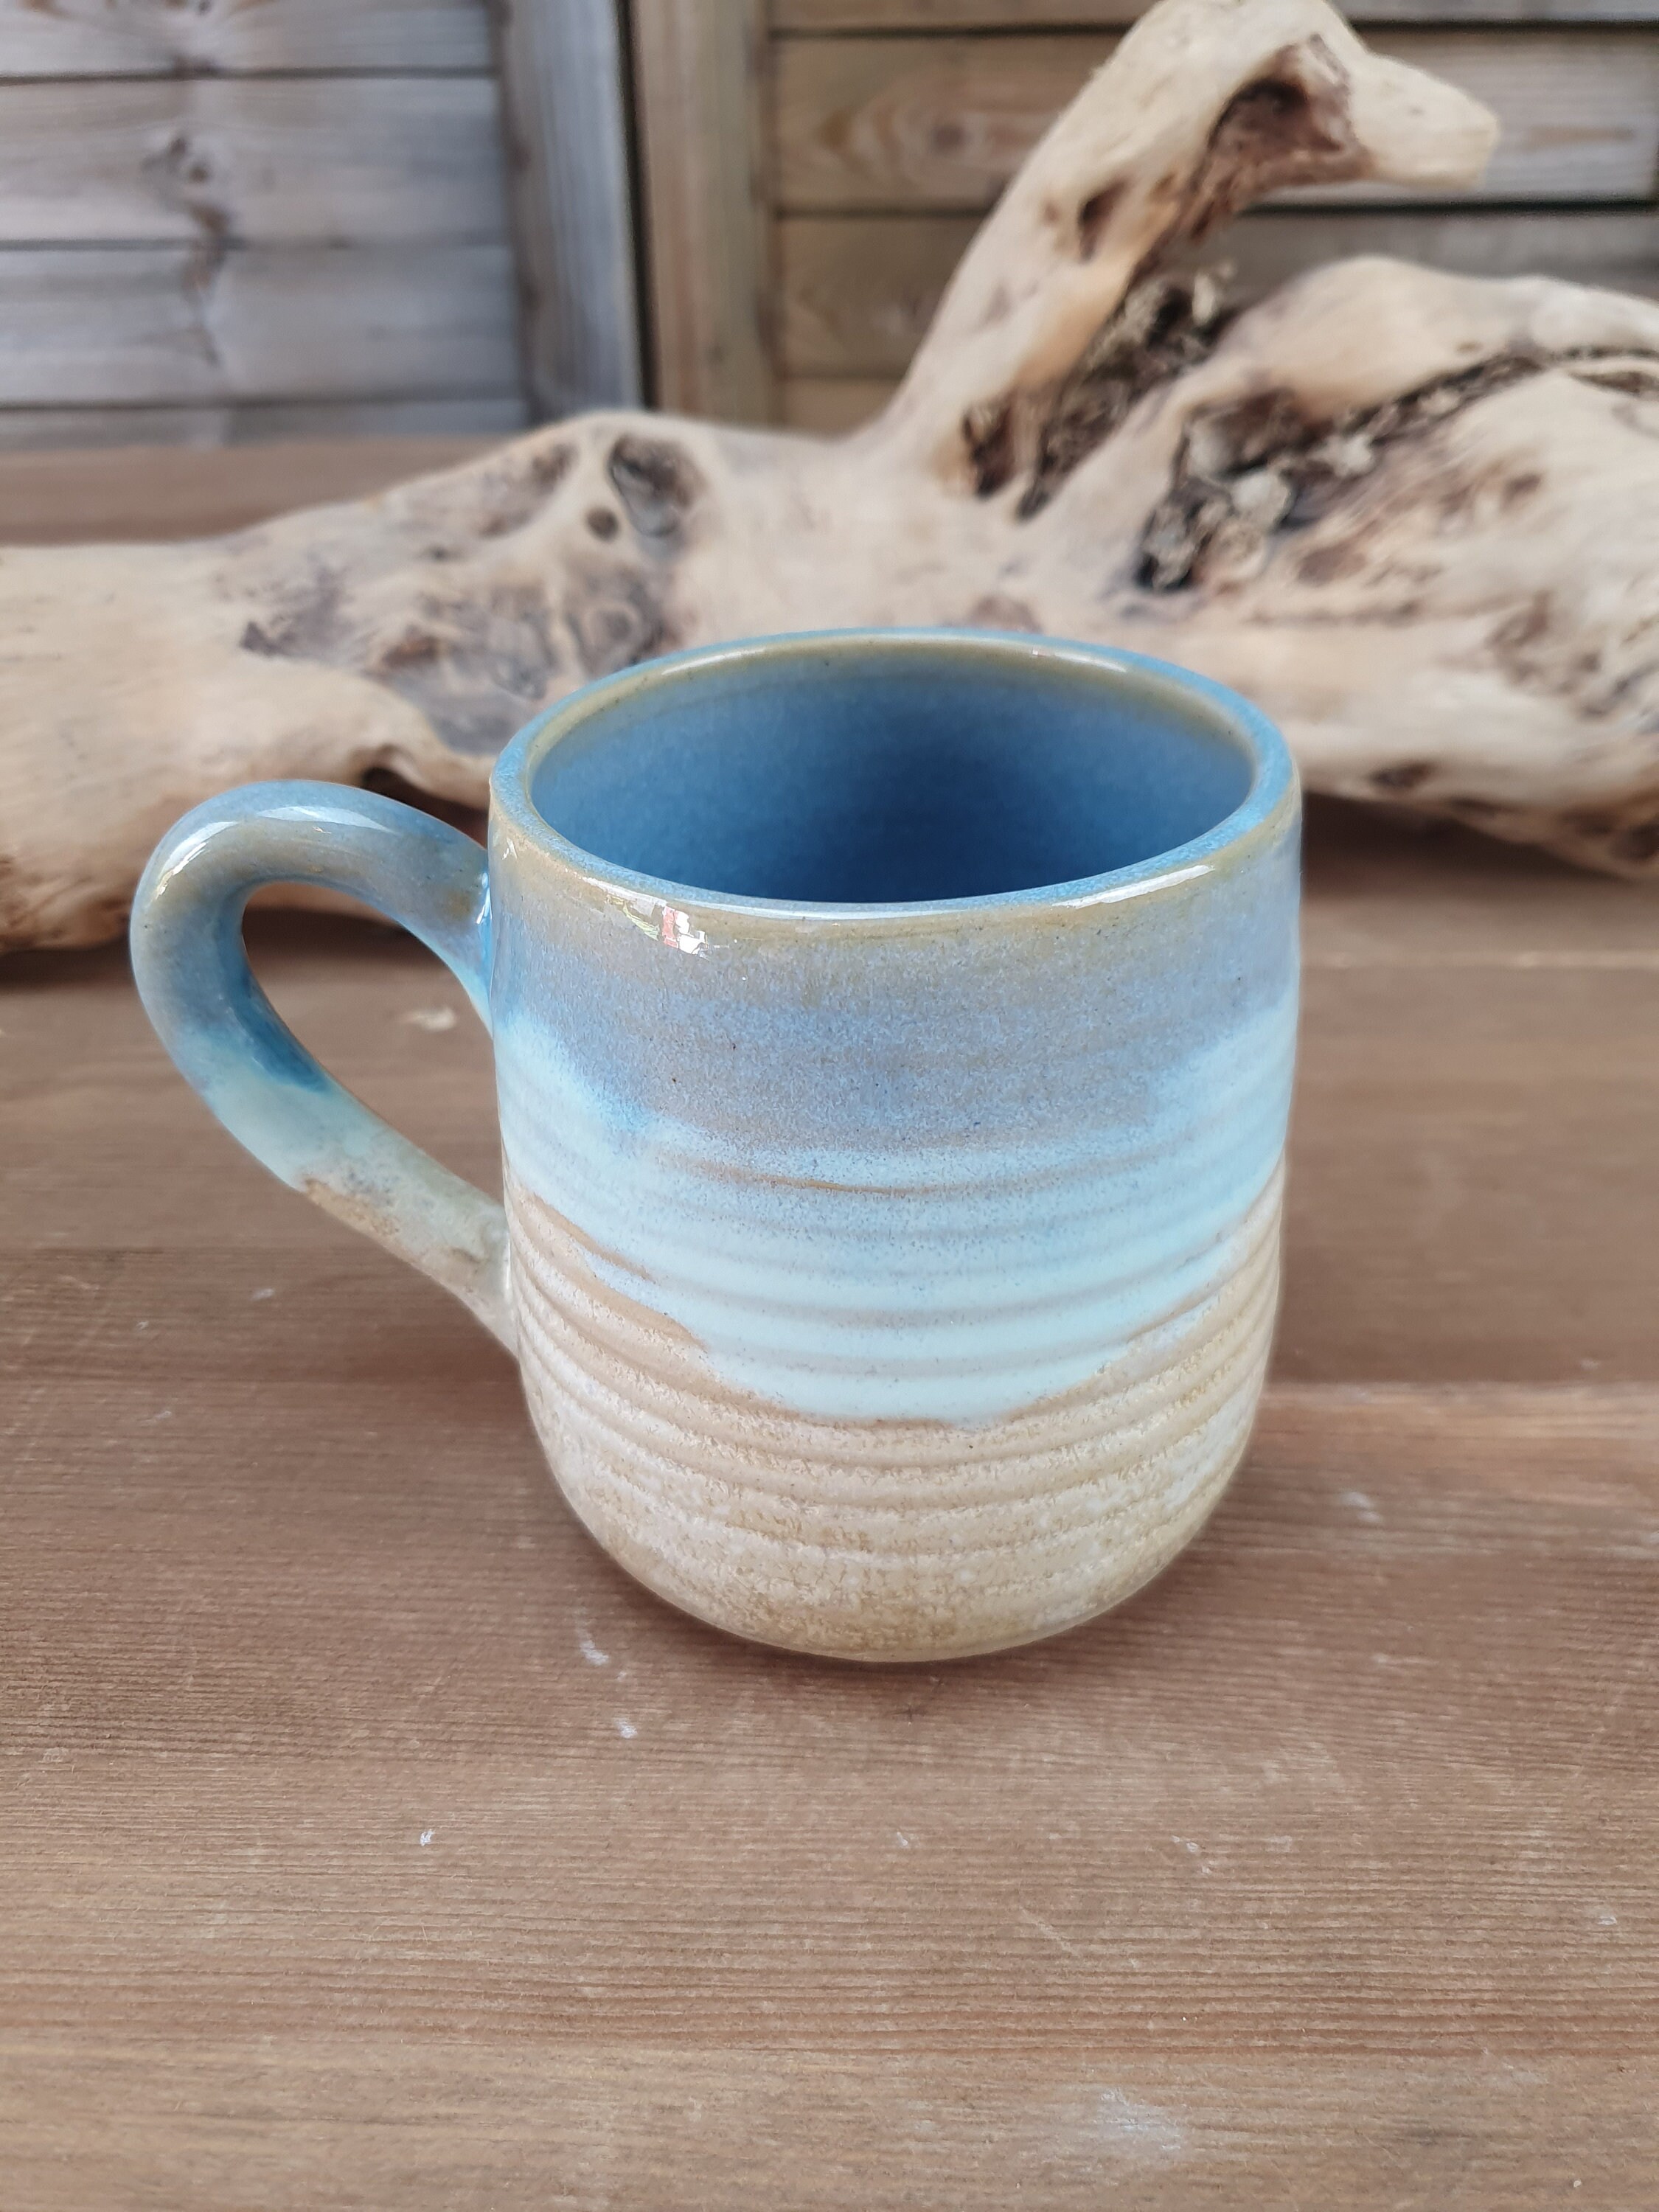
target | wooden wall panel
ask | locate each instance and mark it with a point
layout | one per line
(827, 406)
(895, 123)
(699, 79)
(142, 495)
(1615, 247)
(252, 218)
(857, 293)
(98, 431)
(156, 37)
(111, 324)
(335, 159)
(943, 123)
(563, 75)
(822, 16)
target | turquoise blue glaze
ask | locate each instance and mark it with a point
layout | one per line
(911, 1026)
(228, 1040)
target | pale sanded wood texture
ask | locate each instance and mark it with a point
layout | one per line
(371, 1841)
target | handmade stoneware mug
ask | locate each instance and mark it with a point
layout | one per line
(893, 1034)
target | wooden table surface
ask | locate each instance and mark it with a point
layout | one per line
(368, 1840)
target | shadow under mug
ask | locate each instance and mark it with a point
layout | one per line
(894, 1035)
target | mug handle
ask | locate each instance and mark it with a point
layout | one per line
(231, 1045)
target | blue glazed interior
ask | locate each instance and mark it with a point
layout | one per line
(820, 779)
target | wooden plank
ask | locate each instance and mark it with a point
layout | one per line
(565, 114)
(698, 75)
(1619, 250)
(827, 15)
(856, 293)
(942, 123)
(431, 2121)
(1485, 1113)
(173, 323)
(827, 406)
(332, 1879)
(160, 38)
(339, 160)
(915, 123)
(142, 493)
(100, 430)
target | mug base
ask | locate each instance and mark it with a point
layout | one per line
(861, 1653)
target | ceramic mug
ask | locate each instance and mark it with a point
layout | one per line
(893, 1037)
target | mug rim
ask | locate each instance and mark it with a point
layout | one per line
(1269, 802)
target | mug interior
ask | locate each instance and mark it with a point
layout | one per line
(893, 772)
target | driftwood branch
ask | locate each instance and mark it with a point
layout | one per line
(1416, 516)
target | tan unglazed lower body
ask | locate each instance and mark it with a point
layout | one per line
(884, 1540)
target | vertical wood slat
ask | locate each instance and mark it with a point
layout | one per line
(565, 121)
(699, 76)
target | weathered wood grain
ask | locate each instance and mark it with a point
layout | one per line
(856, 293)
(829, 405)
(336, 161)
(91, 434)
(564, 97)
(60, 499)
(156, 37)
(827, 16)
(699, 73)
(1618, 248)
(172, 323)
(1320, 1870)
(188, 133)
(436, 2120)
(942, 123)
